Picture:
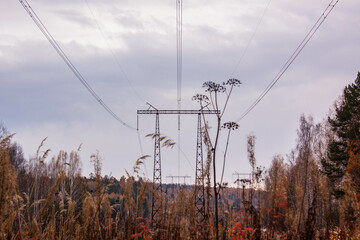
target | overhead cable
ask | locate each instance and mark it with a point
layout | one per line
(292, 58)
(61, 53)
(179, 49)
(110, 49)
(250, 40)
(179, 67)
(187, 159)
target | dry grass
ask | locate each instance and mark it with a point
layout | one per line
(60, 204)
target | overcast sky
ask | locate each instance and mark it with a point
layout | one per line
(126, 50)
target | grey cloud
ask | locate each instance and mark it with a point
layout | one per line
(129, 20)
(37, 88)
(76, 17)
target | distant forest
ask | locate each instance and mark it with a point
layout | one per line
(311, 193)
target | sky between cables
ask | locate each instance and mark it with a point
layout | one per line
(123, 73)
(292, 58)
(72, 67)
(68, 62)
(250, 40)
(170, 47)
(103, 35)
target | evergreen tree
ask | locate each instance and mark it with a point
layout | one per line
(346, 125)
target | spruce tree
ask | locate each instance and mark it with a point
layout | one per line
(346, 125)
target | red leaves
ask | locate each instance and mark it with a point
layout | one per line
(282, 204)
(249, 230)
(358, 197)
(145, 232)
(239, 231)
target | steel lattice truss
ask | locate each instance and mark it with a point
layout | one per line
(157, 185)
(199, 178)
(155, 111)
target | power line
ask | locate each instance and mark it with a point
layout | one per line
(250, 40)
(292, 58)
(179, 50)
(179, 67)
(116, 60)
(187, 159)
(178, 177)
(61, 53)
(112, 51)
(141, 151)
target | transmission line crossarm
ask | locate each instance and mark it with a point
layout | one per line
(175, 112)
(241, 174)
(156, 202)
(178, 111)
(178, 177)
(242, 181)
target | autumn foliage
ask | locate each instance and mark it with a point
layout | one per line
(311, 193)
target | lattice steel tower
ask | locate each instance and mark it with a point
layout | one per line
(157, 185)
(199, 182)
(199, 178)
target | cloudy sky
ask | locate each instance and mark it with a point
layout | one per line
(126, 50)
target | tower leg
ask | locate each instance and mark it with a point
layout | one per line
(157, 186)
(199, 178)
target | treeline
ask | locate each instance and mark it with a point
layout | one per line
(50, 199)
(311, 193)
(314, 192)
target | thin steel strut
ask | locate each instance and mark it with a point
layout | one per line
(178, 177)
(157, 185)
(155, 111)
(242, 181)
(199, 178)
(238, 179)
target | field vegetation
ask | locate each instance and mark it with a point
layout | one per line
(311, 193)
